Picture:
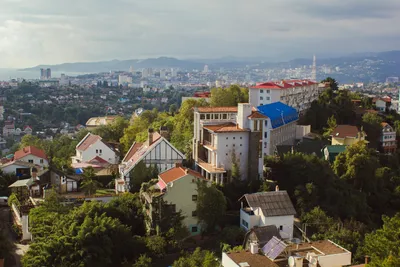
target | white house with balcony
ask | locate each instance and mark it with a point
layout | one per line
(388, 140)
(295, 93)
(91, 147)
(268, 208)
(246, 132)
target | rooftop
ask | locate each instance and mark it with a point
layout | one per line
(87, 141)
(336, 149)
(176, 173)
(279, 113)
(98, 121)
(223, 128)
(30, 150)
(283, 84)
(343, 131)
(257, 115)
(274, 203)
(217, 109)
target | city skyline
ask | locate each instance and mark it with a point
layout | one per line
(51, 32)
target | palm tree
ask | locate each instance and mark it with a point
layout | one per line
(89, 185)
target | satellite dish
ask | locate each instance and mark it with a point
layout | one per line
(291, 261)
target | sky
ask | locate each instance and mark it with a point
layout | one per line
(34, 32)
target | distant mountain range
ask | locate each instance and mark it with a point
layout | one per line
(390, 63)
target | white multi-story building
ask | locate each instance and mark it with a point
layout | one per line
(124, 80)
(388, 140)
(295, 93)
(162, 74)
(245, 134)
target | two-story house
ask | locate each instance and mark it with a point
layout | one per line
(32, 155)
(243, 134)
(347, 135)
(382, 104)
(9, 128)
(388, 142)
(156, 151)
(93, 147)
(177, 189)
(268, 208)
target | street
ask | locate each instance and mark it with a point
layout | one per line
(19, 249)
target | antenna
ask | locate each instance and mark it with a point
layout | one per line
(314, 69)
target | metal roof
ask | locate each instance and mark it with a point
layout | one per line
(279, 113)
(276, 203)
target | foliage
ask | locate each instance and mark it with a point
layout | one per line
(156, 246)
(221, 97)
(143, 261)
(5, 181)
(198, 258)
(232, 235)
(372, 126)
(333, 84)
(13, 199)
(235, 170)
(331, 126)
(89, 184)
(211, 205)
(383, 245)
(141, 174)
(114, 131)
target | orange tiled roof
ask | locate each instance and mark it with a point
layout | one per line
(227, 127)
(176, 173)
(343, 131)
(136, 146)
(30, 150)
(257, 115)
(89, 140)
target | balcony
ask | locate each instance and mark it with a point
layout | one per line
(209, 145)
(209, 167)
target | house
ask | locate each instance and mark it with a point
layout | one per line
(331, 152)
(260, 235)
(32, 187)
(243, 134)
(64, 183)
(382, 104)
(268, 208)
(156, 151)
(28, 129)
(95, 122)
(176, 187)
(9, 128)
(388, 142)
(21, 169)
(277, 253)
(298, 94)
(32, 155)
(93, 147)
(347, 135)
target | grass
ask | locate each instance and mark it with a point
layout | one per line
(103, 192)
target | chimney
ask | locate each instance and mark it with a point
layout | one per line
(366, 259)
(254, 248)
(244, 110)
(164, 132)
(150, 135)
(277, 188)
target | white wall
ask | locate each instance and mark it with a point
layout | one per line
(107, 153)
(237, 141)
(285, 221)
(36, 160)
(228, 262)
(252, 220)
(336, 260)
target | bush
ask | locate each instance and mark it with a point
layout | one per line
(13, 199)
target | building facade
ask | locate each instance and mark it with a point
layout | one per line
(295, 93)
(387, 139)
(347, 135)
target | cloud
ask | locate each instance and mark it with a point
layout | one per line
(53, 31)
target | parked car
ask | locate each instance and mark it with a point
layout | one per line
(3, 201)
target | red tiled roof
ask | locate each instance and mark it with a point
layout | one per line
(134, 148)
(257, 115)
(27, 126)
(89, 140)
(223, 128)
(284, 84)
(98, 159)
(30, 150)
(217, 109)
(176, 173)
(384, 124)
(343, 131)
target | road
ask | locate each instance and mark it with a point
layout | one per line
(19, 250)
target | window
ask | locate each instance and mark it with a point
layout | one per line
(234, 138)
(227, 138)
(101, 151)
(268, 98)
(226, 145)
(194, 213)
(244, 223)
(97, 151)
(30, 160)
(266, 123)
(265, 134)
(240, 138)
(268, 91)
(194, 197)
(281, 228)
(41, 160)
(194, 229)
(240, 153)
(261, 98)
(226, 154)
(233, 144)
(240, 144)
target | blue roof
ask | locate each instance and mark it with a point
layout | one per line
(279, 113)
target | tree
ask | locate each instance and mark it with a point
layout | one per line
(372, 126)
(198, 258)
(139, 175)
(143, 261)
(172, 109)
(227, 97)
(31, 140)
(333, 84)
(156, 245)
(383, 245)
(211, 205)
(89, 185)
(5, 181)
(331, 127)
(235, 170)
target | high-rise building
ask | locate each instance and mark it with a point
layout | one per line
(131, 69)
(45, 74)
(124, 80)
(314, 69)
(205, 70)
(173, 72)
(162, 74)
(145, 73)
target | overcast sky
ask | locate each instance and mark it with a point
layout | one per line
(36, 32)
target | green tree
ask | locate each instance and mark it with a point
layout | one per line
(333, 84)
(383, 245)
(331, 126)
(143, 261)
(89, 184)
(211, 205)
(235, 170)
(172, 109)
(31, 140)
(139, 175)
(156, 245)
(227, 97)
(372, 126)
(5, 181)
(198, 258)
